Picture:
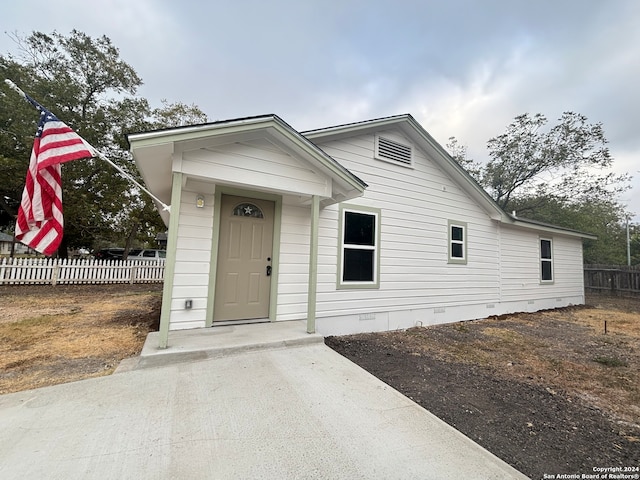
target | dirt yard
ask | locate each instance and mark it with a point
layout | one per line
(550, 392)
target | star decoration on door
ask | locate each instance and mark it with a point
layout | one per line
(247, 210)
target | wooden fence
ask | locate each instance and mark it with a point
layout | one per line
(52, 271)
(619, 280)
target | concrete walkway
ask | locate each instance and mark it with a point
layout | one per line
(256, 405)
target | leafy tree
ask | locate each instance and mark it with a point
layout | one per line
(143, 222)
(177, 114)
(86, 84)
(569, 162)
(561, 175)
(459, 153)
(600, 217)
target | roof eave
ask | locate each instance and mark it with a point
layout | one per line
(350, 186)
(545, 227)
(194, 132)
(350, 128)
(414, 130)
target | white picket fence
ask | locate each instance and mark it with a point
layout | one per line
(53, 271)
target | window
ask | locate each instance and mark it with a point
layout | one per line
(457, 242)
(546, 260)
(247, 210)
(395, 152)
(359, 246)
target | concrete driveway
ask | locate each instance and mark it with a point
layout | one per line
(280, 412)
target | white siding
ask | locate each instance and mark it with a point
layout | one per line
(568, 267)
(416, 205)
(255, 164)
(417, 284)
(521, 267)
(193, 257)
(294, 262)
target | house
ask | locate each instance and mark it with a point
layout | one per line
(5, 246)
(368, 226)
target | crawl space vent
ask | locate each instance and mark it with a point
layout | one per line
(394, 151)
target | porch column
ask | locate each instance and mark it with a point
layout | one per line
(170, 261)
(313, 265)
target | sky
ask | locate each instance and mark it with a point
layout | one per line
(461, 68)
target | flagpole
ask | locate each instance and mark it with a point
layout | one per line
(126, 176)
(13, 86)
(101, 156)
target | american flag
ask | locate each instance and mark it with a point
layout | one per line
(40, 221)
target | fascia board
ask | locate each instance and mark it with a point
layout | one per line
(271, 125)
(351, 128)
(540, 227)
(181, 134)
(414, 130)
(479, 193)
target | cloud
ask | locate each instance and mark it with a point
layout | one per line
(461, 68)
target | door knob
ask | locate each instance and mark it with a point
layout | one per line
(268, 270)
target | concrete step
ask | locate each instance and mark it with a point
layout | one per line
(217, 341)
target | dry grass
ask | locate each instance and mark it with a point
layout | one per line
(50, 336)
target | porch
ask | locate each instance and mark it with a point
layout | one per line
(205, 343)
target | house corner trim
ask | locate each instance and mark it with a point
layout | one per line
(313, 265)
(170, 262)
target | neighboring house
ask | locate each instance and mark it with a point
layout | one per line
(368, 226)
(5, 246)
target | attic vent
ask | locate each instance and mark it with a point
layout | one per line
(393, 151)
